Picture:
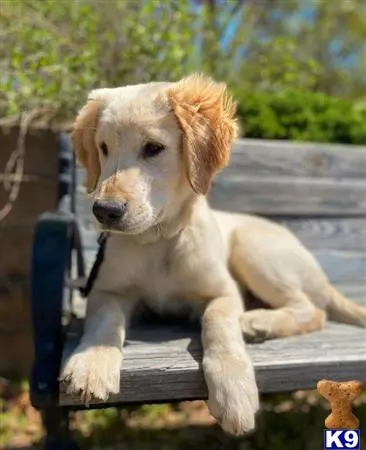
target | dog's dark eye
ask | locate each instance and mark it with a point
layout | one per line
(104, 148)
(152, 149)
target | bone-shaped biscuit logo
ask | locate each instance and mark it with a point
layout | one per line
(340, 397)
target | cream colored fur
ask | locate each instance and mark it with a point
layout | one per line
(172, 250)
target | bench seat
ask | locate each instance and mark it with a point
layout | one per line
(317, 191)
(162, 364)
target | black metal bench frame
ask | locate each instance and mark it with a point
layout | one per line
(56, 241)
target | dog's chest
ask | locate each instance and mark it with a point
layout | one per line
(163, 285)
(165, 276)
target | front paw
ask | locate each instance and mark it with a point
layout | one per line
(93, 372)
(233, 393)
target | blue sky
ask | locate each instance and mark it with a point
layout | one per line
(306, 11)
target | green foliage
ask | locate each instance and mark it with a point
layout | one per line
(278, 65)
(301, 116)
(53, 53)
(284, 60)
(274, 44)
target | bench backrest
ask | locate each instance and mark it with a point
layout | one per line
(280, 178)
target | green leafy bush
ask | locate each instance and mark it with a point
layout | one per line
(53, 53)
(301, 116)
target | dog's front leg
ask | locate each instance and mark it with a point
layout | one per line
(93, 369)
(232, 390)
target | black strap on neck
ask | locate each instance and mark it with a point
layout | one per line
(102, 240)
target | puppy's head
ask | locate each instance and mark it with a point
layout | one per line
(149, 148)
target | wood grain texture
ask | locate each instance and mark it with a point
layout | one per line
(294, 196)
(33, 199)
(15, 245)
(164, 364)
(335, 233)
(41, 150)
(278, 196)
(282, 178)
(284, 158)
(342, 267)
(16, 342)
(290, 159)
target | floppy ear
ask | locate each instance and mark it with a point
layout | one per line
(83, 141)
(206, 115)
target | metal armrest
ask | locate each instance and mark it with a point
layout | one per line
(56, 235)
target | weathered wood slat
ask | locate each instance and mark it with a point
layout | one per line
(279, 178)
(289, 195)
(332, 233)
(41, 149)
(278, 198)
(336, 233)
(15, 245)
(289, 159)
(34, 198)
(163, 364)
(284, 158)
(342, 267)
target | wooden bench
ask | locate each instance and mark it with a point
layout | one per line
(318, 191)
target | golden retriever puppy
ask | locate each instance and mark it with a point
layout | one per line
(151, 152)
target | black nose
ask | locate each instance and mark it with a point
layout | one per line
(109, 212)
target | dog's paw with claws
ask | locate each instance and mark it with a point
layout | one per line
(93, 372)
(233, 393)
